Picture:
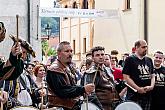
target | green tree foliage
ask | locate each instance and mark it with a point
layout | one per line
(47, 50)
(51, 52)
(45, 46)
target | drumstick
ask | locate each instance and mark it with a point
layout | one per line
(17, 16)
(42, 98)
(87, 102)
(1, 101)
(130, 86)
(85, 82)
(2, 89)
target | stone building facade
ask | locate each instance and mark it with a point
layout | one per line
(28, 21)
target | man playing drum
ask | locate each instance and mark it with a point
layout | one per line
(61, 80)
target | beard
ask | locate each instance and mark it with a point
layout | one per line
(69, 60)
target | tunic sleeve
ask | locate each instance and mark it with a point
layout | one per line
(58, 85)
(11, 69)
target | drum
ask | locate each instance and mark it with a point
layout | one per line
(24, 108)
(128, 106)
(91, 106)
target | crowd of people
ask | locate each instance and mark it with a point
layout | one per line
(101, 79)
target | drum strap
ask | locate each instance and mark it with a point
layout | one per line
(59, 102)
(56, 101)
(16, 89)
(23, 83)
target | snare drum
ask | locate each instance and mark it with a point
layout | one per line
(91, 106)
(24, 108)
(128, 106)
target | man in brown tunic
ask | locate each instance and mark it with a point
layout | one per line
(104, 83)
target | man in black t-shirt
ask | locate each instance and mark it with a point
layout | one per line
(138, 73)
(158, 93)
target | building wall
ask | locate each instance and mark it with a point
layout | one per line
(156, 25)
(76, 29)
(8, 16)
(120, 33)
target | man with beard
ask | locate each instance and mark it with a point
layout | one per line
(158, 100)
(61, 80)
(138, 73)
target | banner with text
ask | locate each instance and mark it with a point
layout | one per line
(82, 13)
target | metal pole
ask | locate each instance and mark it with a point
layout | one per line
(146, 20)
